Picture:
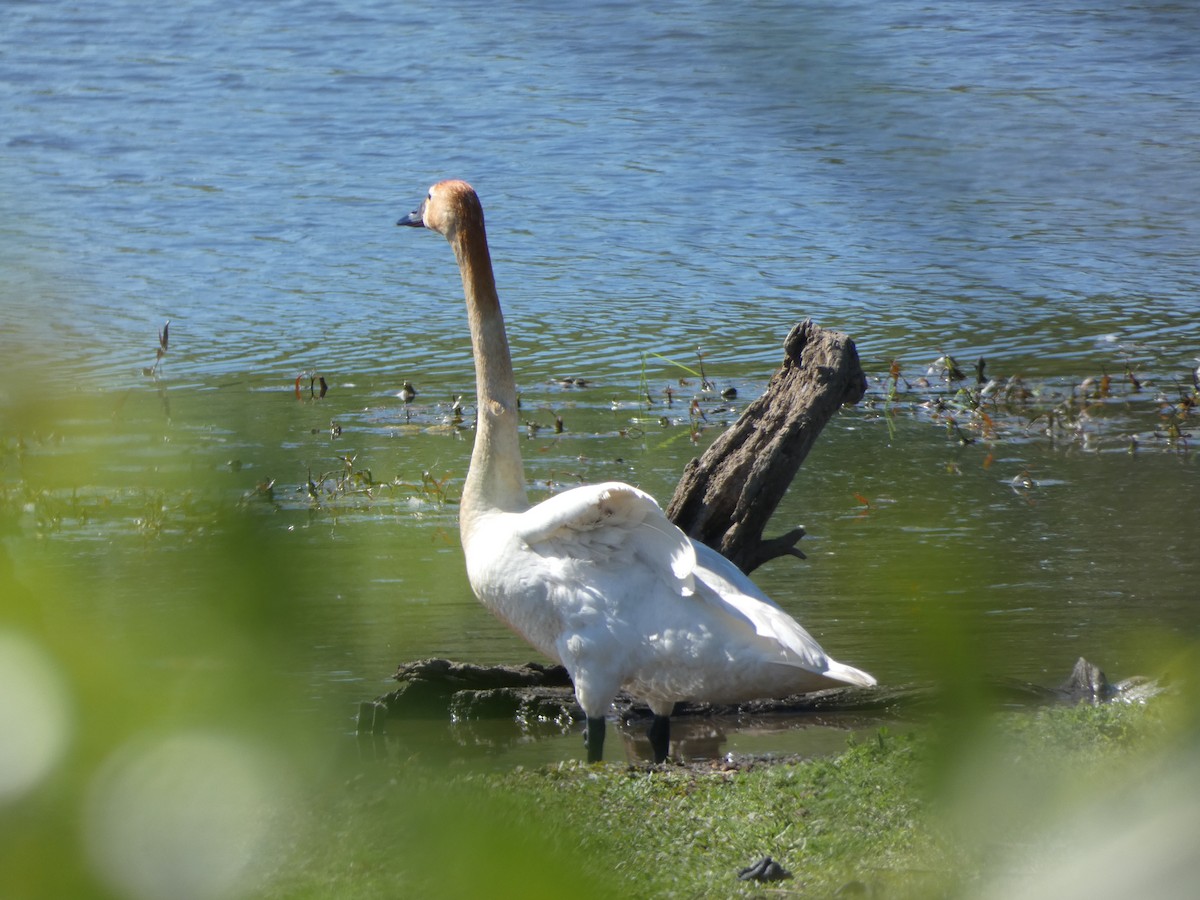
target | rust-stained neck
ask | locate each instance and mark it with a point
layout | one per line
(495, 482)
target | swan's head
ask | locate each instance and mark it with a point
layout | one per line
(449, 206)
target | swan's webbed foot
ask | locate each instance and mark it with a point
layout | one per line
(660, 737)
(593, 738)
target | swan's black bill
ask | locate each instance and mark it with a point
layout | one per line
(415, 218)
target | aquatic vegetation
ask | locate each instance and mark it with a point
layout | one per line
(1124, 408)
(164, 336)
(1097, 413)
(317, 386)
(350, 484)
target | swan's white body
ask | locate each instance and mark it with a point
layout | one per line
(597, 577)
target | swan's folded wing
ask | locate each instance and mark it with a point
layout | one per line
(596, 520)
(730, 587)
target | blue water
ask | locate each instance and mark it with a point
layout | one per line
(1014, 179)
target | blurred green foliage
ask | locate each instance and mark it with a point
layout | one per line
(156, 724)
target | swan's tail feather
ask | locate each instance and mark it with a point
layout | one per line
(848, 674)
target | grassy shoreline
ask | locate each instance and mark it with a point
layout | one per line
(941, 812)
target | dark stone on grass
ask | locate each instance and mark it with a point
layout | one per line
(766, 869)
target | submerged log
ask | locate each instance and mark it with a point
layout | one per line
(726, 497)
(439, 688)
(429, 685)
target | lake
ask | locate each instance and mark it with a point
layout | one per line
(667, 187)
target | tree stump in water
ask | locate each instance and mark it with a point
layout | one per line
(726, 497)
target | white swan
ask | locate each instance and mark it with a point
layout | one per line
(597, 577)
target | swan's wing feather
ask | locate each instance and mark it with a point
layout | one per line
(600, 519)
(743, 599)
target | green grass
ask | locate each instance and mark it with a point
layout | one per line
(893, 816)
(687, 831)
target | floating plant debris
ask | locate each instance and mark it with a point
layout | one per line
(1098, 412)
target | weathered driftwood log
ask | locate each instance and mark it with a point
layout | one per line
(726, 497)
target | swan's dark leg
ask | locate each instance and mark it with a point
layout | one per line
(660, 737)
(593, 737)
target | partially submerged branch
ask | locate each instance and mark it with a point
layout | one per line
(440, 688)
(726, 497)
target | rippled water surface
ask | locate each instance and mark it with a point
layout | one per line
(1015, 181)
